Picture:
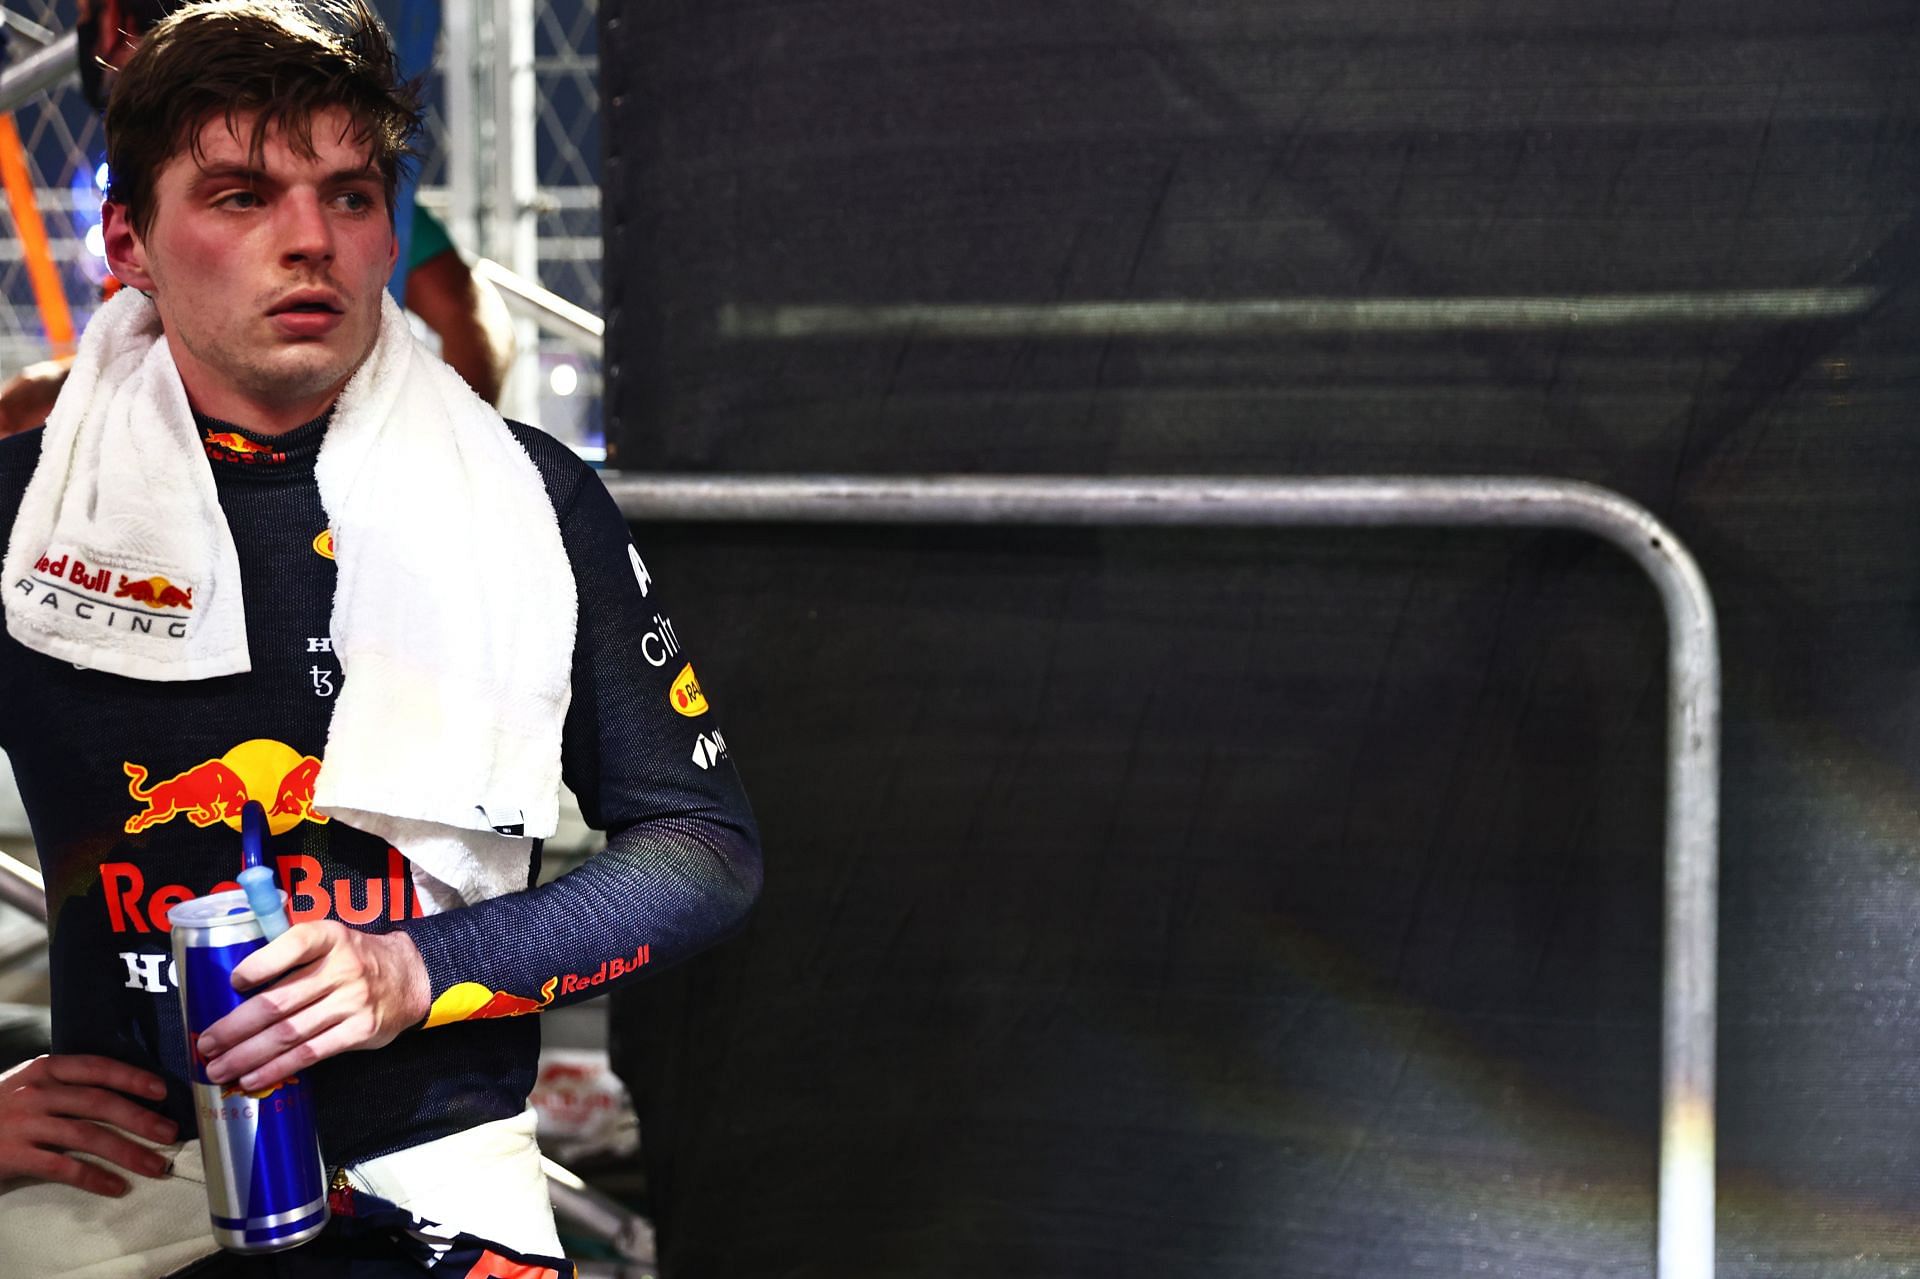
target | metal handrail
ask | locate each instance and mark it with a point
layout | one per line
(579, 327)
(1688, 1011)
(39, 71)
(599, 1215)
(22, 887)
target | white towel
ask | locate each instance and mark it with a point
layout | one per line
(453, 617)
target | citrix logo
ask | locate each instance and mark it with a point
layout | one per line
(662, 640)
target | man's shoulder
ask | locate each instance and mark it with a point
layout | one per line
(561, 469)
(19, 454)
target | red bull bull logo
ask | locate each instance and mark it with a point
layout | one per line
(234, 442)
(214, 790)
(231, 446)
(471, 1001)
(155, 591)
(204, 794)
(257, 1094)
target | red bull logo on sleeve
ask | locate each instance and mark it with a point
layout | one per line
(471, 1001)
(214, 790)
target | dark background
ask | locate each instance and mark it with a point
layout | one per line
(1237, 903)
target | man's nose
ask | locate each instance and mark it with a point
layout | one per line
(306, 232)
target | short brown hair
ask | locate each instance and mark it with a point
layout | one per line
(282, 60)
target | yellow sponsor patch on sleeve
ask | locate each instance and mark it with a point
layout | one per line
(686, 695)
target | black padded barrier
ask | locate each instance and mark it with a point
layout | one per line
(1235, 903)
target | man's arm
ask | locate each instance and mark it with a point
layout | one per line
(680, 870)
(476, 332)
(647, 760)
(28, 396)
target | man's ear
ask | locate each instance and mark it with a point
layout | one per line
(126, 251)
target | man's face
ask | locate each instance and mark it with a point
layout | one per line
(267, 272)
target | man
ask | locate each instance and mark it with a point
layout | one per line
(368, 591)
(465, 312)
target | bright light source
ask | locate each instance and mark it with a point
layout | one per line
(565, 379)
(96, 241)
(100, 176)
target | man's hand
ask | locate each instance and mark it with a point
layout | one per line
(338, 989)
(52, 1107)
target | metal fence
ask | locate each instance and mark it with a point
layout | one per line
(1689, 998)
(516, 178)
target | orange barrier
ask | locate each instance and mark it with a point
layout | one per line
(47, 293)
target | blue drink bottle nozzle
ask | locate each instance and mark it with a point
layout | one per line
(256, 879)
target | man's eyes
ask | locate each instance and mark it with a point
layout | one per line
(349, 201)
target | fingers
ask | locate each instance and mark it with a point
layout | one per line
(75, 1136)
(45, 1165)
(259, 1013)
(328, 1026)
(327, 1034)
(95, 1072)
(106, 1107)
(336, 990)
(301, 944)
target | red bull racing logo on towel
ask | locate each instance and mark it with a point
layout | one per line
(101, 596)
(215, 790)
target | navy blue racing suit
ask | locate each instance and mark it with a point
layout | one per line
(133, 790)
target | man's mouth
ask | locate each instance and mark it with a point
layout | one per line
(308, 304)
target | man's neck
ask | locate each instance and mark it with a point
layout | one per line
(216, 397)
(261, 419)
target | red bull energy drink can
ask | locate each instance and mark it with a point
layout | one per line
(266, 1183)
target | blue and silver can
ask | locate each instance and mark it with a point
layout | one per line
(266, 1184)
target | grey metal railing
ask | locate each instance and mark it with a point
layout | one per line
(579, 327)
(1686, 1202)
(22, 887)
(39, 71)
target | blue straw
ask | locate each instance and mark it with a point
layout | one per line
(255, 877)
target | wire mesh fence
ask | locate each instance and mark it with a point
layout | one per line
(65, 153)
(64, 148)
